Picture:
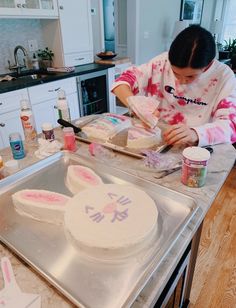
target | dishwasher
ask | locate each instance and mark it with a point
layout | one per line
(93, 93)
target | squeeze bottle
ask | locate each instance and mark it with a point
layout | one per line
(62, 106)
(27, 120)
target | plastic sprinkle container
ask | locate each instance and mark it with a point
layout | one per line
(194, 166)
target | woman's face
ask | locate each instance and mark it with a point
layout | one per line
(187, 75)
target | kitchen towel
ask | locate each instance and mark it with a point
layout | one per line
(65, 69)
(47, 148)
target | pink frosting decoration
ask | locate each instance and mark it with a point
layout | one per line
(44, 197)
(87, 176)
(110, 208)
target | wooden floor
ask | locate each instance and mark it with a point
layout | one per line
(214, 283)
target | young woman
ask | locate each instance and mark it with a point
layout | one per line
(197, 93)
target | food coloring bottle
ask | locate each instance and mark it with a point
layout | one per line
(17, 146)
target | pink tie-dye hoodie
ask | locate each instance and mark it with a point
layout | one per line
(207, 105)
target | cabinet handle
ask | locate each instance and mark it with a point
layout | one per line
(79, 59)
(1, 103)
(18, 5)
(55, 90)
(55, 107)
(61, 7)
(2, 124)
(24, 6)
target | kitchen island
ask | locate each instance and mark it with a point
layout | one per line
(219, 168)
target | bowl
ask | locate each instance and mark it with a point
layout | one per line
(106, 55)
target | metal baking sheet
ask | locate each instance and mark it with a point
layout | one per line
(88, 282)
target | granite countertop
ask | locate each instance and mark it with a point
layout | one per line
(27, 81)
(218, 170)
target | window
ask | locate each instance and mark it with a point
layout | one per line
(229, 27)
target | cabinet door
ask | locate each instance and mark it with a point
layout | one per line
(29, 8)
(10, 101)
(76, 25)
(10, 123)
(44, 112)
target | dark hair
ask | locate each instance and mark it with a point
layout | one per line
(193, 47)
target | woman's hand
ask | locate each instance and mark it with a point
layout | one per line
(180, 134)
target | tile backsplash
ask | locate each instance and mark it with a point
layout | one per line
(17, 32)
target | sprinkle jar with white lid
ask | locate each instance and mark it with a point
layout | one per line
(194, 166)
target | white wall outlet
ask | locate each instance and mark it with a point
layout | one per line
(33, 45)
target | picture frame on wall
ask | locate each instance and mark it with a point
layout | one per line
(191, 10)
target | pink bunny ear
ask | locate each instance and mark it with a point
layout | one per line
(7, 271)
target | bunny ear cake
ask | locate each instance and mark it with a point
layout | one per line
(80, 177)
(41, 205)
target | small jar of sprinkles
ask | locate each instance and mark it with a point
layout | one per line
(194, 166)
(48, 131)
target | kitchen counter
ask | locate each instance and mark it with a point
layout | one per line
(27, 81)
(114, 61)
(219, 168)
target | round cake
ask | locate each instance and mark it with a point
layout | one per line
(111, 220)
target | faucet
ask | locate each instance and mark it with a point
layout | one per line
(17, 66)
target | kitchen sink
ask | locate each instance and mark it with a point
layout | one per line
(31, 74)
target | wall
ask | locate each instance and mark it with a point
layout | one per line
(151, 33)
(17, 32)
(150, 26)
(97, 26)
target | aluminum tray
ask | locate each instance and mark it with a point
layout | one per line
(88, 282)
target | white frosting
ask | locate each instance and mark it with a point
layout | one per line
(139, 138)
(80, 177)
(41, 205)
(107, 126)
(111, 220)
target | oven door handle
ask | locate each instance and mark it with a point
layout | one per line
(80, 97)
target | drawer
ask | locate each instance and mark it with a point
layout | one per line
(48, 91)
(78, 58)
(11, 100)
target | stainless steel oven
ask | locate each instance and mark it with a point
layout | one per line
(93, 92)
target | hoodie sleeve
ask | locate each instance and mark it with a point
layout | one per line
(139, 78)
(222, 128)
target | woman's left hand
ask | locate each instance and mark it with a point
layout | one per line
(180, 134)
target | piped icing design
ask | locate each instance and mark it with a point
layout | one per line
(44, 197)
(111, 220)
(42, 205)
(107, 126)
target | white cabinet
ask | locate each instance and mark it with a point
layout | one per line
(10, 115)
(72, 41)
(28, 8)
(44, 100)
(11, 124)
